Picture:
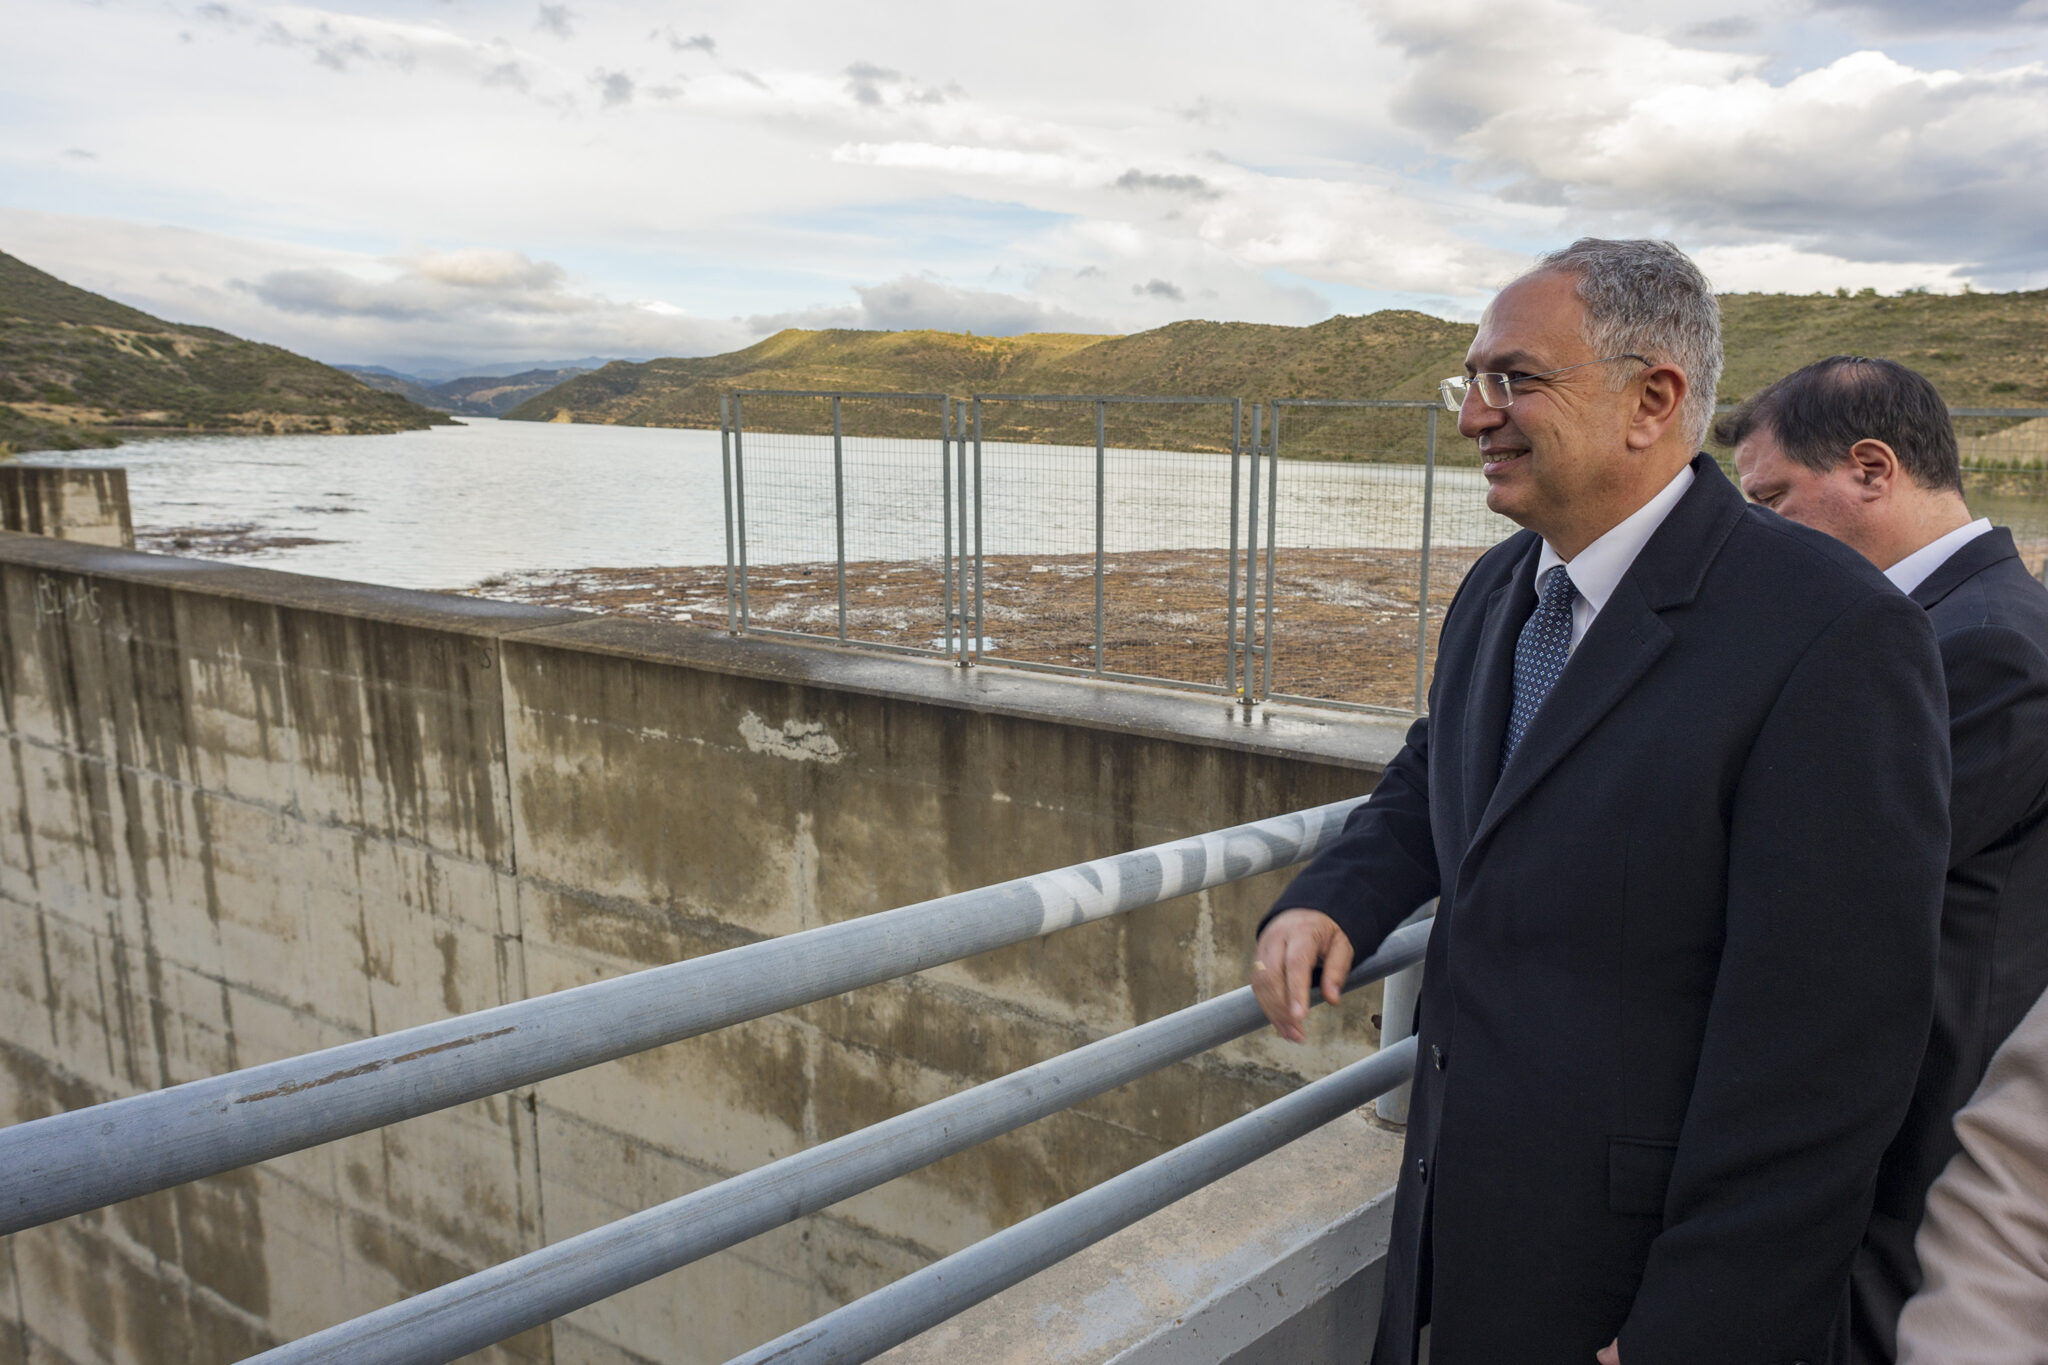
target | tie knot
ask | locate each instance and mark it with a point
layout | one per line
(1558, 587)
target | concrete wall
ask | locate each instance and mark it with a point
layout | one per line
(246, 814)
(71, 504)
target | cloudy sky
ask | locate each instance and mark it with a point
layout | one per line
(440, 183)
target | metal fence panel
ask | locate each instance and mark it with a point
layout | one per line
(2005, 473)
(1103, 535)
(842, 505)
(1377, 510)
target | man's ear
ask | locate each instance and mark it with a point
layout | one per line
(1876, 467)
(1660, 395)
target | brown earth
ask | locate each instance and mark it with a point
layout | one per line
(1343, 621)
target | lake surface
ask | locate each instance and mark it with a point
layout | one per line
(453, 506)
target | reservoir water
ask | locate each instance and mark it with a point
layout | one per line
(452, 506)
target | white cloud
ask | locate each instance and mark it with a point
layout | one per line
(1121, 167)
(1863, 158)
(478, 304)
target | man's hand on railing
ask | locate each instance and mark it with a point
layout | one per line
(1294, 944)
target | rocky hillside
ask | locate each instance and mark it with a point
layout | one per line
(1981, 349)
(472, 396)
(78, 369)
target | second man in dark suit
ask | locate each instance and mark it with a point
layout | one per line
(1864, 450)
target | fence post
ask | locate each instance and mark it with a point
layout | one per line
(1248, 691)
(1397, 1022)
(1100, 475)
(725, 477)
(960, 455)
(980, 627)
(946, 622)
(1422, 591)
(1232, 680)
(739, 498)
(839, 510)
(1272, 534)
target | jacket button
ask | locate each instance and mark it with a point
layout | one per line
(1421, 1168)
(1436, 1056)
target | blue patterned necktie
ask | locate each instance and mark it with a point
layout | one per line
(1540, 655)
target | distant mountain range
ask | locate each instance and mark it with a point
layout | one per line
(472, 395)
(77, 369)
(1979, 349)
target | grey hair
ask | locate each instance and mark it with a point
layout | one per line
(1649, 299)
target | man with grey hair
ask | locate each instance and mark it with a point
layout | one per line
(1686, 830)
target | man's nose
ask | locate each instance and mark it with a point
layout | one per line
(1475, 416)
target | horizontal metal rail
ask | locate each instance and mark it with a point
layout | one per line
(1087, 398)
(53, 1167)
(1353, 403)
(471, 1313)
(832, 393)
(890, 1316)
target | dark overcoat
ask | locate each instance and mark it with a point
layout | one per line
(1990, 619)
(1683, 965)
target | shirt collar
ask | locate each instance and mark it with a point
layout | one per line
(1910, 572)
(1598, 568)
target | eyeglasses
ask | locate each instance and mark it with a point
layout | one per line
(1494, 390)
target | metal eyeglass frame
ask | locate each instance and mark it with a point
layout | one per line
(1454, 389)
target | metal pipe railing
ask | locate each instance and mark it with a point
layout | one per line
(53, 1167)
(892, 1315)
(471, 1313)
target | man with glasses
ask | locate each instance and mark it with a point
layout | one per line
(1863, 450)
(1686, 825)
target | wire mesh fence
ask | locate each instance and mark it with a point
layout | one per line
(1093, 552)
(1373, 518)
(842, 511)
(2005, 473)
(1302, 550)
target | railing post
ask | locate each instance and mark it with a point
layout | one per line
(966, 656)
(1397, 1022)
(1100, 476)
(739, 498)
(839, 510)
(1248, 691)
(980, 626)
(1272, 535)
(947, 624)
(1233, 678)
(1422, 590)
(725, 476)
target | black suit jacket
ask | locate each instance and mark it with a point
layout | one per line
(1683, 963)
(1991, 623)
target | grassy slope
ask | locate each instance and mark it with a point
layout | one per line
(1980, 349)
(75, 367)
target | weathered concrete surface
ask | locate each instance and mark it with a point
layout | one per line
(246, 814)
(1281, 1261)
(71, 504)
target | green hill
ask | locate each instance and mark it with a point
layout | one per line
(77, 369)
(1981, 350)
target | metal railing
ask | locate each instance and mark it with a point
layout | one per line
(69, 1163)
(1164, 540)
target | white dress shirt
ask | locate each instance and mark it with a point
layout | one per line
(1910, 572)
(1598, 568)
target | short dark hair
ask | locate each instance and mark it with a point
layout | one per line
(1818, 412)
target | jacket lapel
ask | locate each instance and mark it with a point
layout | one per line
(1625, 639)
(1493, 673)
(1965, 564)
